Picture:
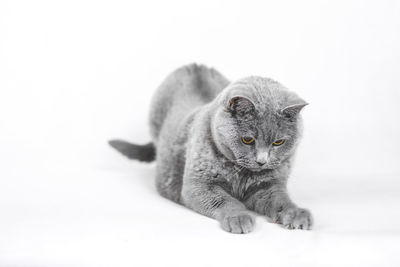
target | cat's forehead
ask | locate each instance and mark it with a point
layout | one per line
(267, 122)
(267, 95)
(271, 101)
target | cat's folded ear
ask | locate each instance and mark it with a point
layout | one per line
(240, 105)
(292, 111)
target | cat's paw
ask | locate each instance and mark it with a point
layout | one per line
(241, 223)
(295, 218)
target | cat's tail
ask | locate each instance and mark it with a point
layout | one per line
(140, 152)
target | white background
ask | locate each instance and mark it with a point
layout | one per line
(74, 74)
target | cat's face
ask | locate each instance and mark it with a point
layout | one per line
(258, 138)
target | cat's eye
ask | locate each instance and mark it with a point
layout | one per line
(278, 142)
(248, 140)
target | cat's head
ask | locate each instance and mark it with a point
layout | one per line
(257, 124)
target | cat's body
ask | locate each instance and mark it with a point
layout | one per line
(198, 121)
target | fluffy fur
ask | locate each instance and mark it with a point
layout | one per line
(197, 120)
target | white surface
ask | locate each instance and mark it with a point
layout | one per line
(74, 74)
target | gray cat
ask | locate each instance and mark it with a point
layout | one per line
(224, 149)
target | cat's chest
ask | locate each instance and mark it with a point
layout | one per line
(239, 181)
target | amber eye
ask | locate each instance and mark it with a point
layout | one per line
(248, 140)
(278, 142)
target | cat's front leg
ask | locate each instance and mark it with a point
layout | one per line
(213, 201)
(271, 199)
(295, 218)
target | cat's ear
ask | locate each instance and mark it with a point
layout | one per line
(240, 105)
(292, 111)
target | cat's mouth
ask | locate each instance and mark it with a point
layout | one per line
(268, 166)
(256, 167)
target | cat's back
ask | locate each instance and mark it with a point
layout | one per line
(183, 91)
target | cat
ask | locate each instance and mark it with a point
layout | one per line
(224, 149)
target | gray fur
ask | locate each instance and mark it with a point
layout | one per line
(197, 120)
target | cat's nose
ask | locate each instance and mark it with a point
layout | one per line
(262, 158)
(260, 163)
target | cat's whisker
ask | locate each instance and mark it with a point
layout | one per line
(238, 170)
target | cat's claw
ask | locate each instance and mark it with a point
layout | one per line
(238, 224)
(295, 218)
